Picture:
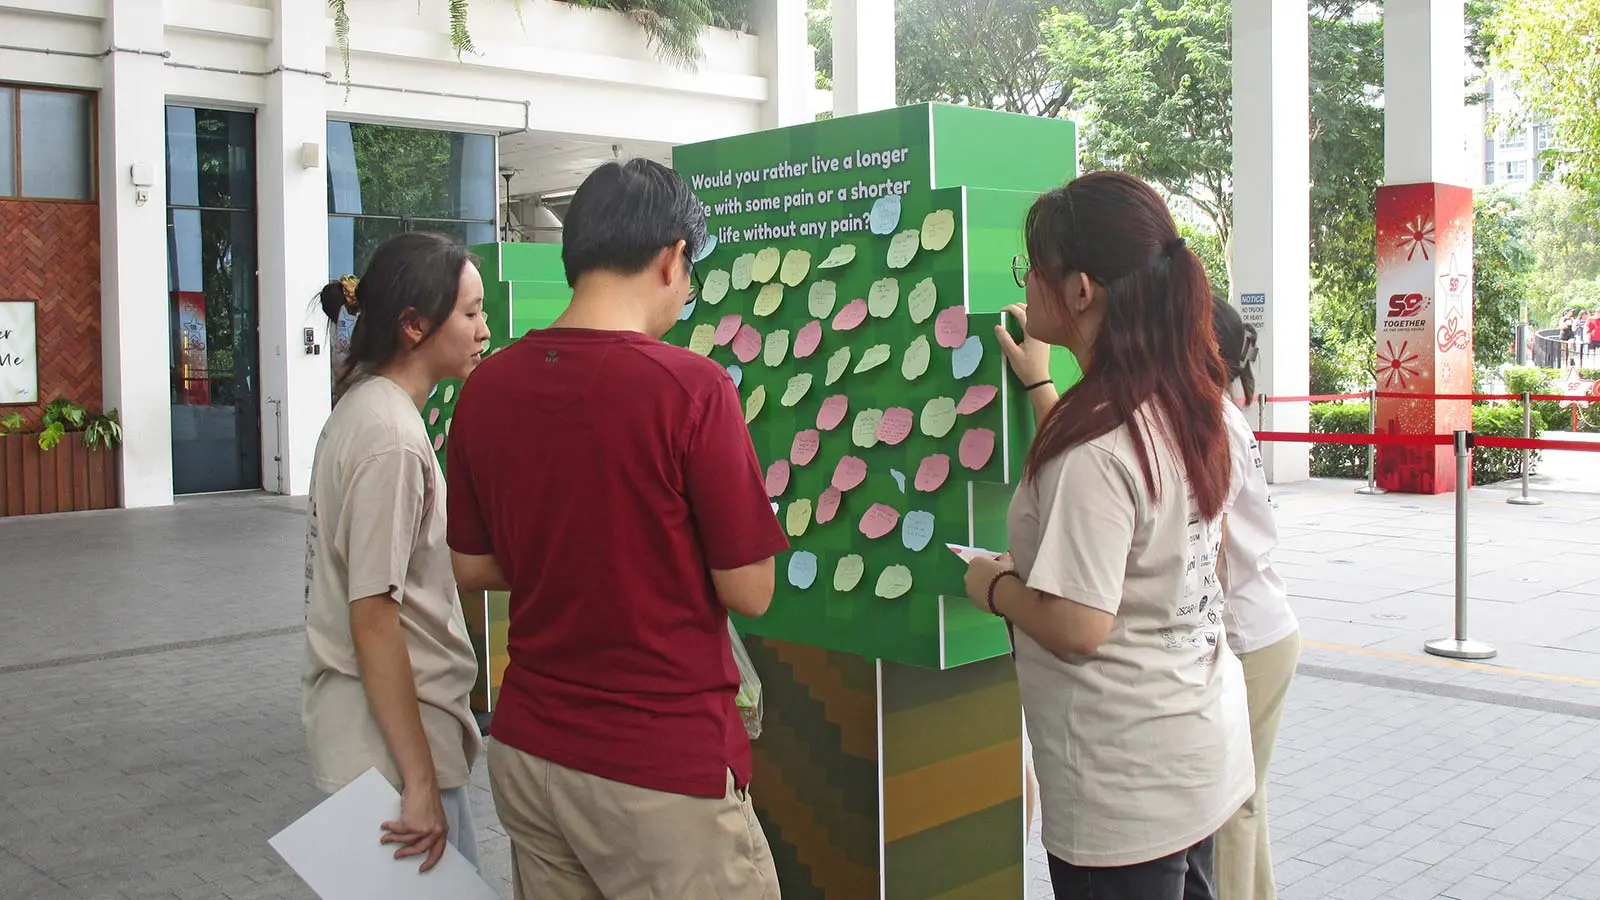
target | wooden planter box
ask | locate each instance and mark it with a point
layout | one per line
(69, 478)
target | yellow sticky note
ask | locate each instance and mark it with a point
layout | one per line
(903, 249)
(716, 286)
(775, 348)
(742, 269)
(875, 356)
(770, 298)
(796, 266)
(847, 574)
(865, 431)
(824, 294)
(938, 417)
(703, 338)
(766, 265)
(798, 387)
(915, 362)
(937, 229)
(841, 255)
(921, 301)
(754, 402)
(883, 298)
(894, 582)
(798, 518)
(837, 363)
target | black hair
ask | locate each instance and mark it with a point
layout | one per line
(414, 275)
(1237, 341)
(624, 214)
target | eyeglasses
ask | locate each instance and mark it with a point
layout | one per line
(1019, 269)
(695, 284)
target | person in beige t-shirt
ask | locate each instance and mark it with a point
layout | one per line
(389, 667)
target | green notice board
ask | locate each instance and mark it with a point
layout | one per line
(858, 273)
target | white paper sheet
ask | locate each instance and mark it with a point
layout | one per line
(335, 848)
(968, 554)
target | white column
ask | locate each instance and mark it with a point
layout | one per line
(786, 61)
(135, 324)
(1424, 70)
(863, 56)
(1272, 211)
(292, 211)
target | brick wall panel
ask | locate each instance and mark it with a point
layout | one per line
(50, 252)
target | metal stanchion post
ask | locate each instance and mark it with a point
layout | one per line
(1372, 449)
(1460, 647)
(1261, 412)
(1527, 434)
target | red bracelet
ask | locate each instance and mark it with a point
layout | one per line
(993, 583)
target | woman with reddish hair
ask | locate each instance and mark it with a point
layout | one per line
(1135, 706)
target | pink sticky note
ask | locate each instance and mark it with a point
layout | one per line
(950, 328)
(807, 340)
(433, 416)
(895, 426)
(932, 473)
(849, 473)
(977, 445)
(777, 478)
(726, 329)
(828, 505)
(879, 520)
(853, 314)
(438, 442)
(804, 448)
(746, 344)
(977, 397)
(832, 412)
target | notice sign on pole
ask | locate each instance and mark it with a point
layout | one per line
(1253, 309)
(19, 361)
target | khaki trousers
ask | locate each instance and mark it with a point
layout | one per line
(1243, 846)
(576, 836)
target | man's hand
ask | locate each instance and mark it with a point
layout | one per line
(422, 826)
(1029, 359)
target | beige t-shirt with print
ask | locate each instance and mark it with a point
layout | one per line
(1142, 749)
(375, 524)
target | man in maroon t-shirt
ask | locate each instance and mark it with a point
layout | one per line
(607, 480)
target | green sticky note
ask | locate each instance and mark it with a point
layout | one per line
(796, 266)
(915, 362)
(716, 287)
(775, 348)
(798, 518)
(824, 294)
(841, 255)
(876, 355)
(703, 338)
(883, 298)
(798, 387)
(937, 229)
(742, 269)
(766, 264)
(837, 363)
(938, 417)
(921, 301)
(903, 249)
(770, 298)
(754, 402)
(847, 574)
(894, 582)
(865, 430)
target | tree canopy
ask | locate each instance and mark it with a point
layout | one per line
(1549, 50)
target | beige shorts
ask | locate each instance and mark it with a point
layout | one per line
(576, 836)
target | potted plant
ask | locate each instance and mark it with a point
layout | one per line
(64, 465)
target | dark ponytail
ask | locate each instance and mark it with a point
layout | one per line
(1237, 342)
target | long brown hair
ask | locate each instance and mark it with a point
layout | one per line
(1156, 342)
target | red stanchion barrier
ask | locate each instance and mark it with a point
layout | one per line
(1510, 443)
(1380, 440)
(1316, 398)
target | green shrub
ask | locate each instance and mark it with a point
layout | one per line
(1547, 414)
(1339, 460)
(1492, 464)
(1589, 374)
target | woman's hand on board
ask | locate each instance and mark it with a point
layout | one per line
(1030, 359)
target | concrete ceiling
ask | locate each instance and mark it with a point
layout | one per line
(548, 162)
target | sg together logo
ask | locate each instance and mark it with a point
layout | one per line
(1405, 312)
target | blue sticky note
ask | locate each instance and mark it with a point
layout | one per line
(916, 529)
(899, 479)
(688, 310)
(737, 374)
(803, 569)
(706, 248)
(965, 358)
(885, 215)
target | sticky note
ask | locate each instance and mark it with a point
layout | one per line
(938, 417)
(808, 340)
(765, 265)
(743, 267)
(687, 312)
(438, 442)
(754, 402)
(921, 301)
(768, 301)
(777, 478)
(776, 347)
(434, 392)
(876, 355)
(885, 215)
(433, 416)
(746, 344)
(837, 363)
(916, 529)
(716, 287)
(937, 229)
(965, 359)
(977, 445)
(701, 341)
(950, 328)
(802, 569)
(879, 520)
(804, 447)
(895, 425)
(899, 479)
(932, 472)
(865, 431)
(447, 426)
(796, 266)
(798, 518)
(737, 374)
(841, 255)
(726, 329)
(799, 385)
(847, 574)
(977, 397)
(853, 314)
(832, 412)
(893, 582)
(915, 362)
(849, 473)
(820, 301)
(883, 298)
(706, 248)
(902, 249)
(828, 505)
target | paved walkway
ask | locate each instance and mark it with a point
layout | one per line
(151, 739)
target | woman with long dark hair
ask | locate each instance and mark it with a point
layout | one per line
(1135, 705)
(389, 667)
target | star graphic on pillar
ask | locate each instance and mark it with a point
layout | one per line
(1416, 235)
(1394, 367)
(1453, 285)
